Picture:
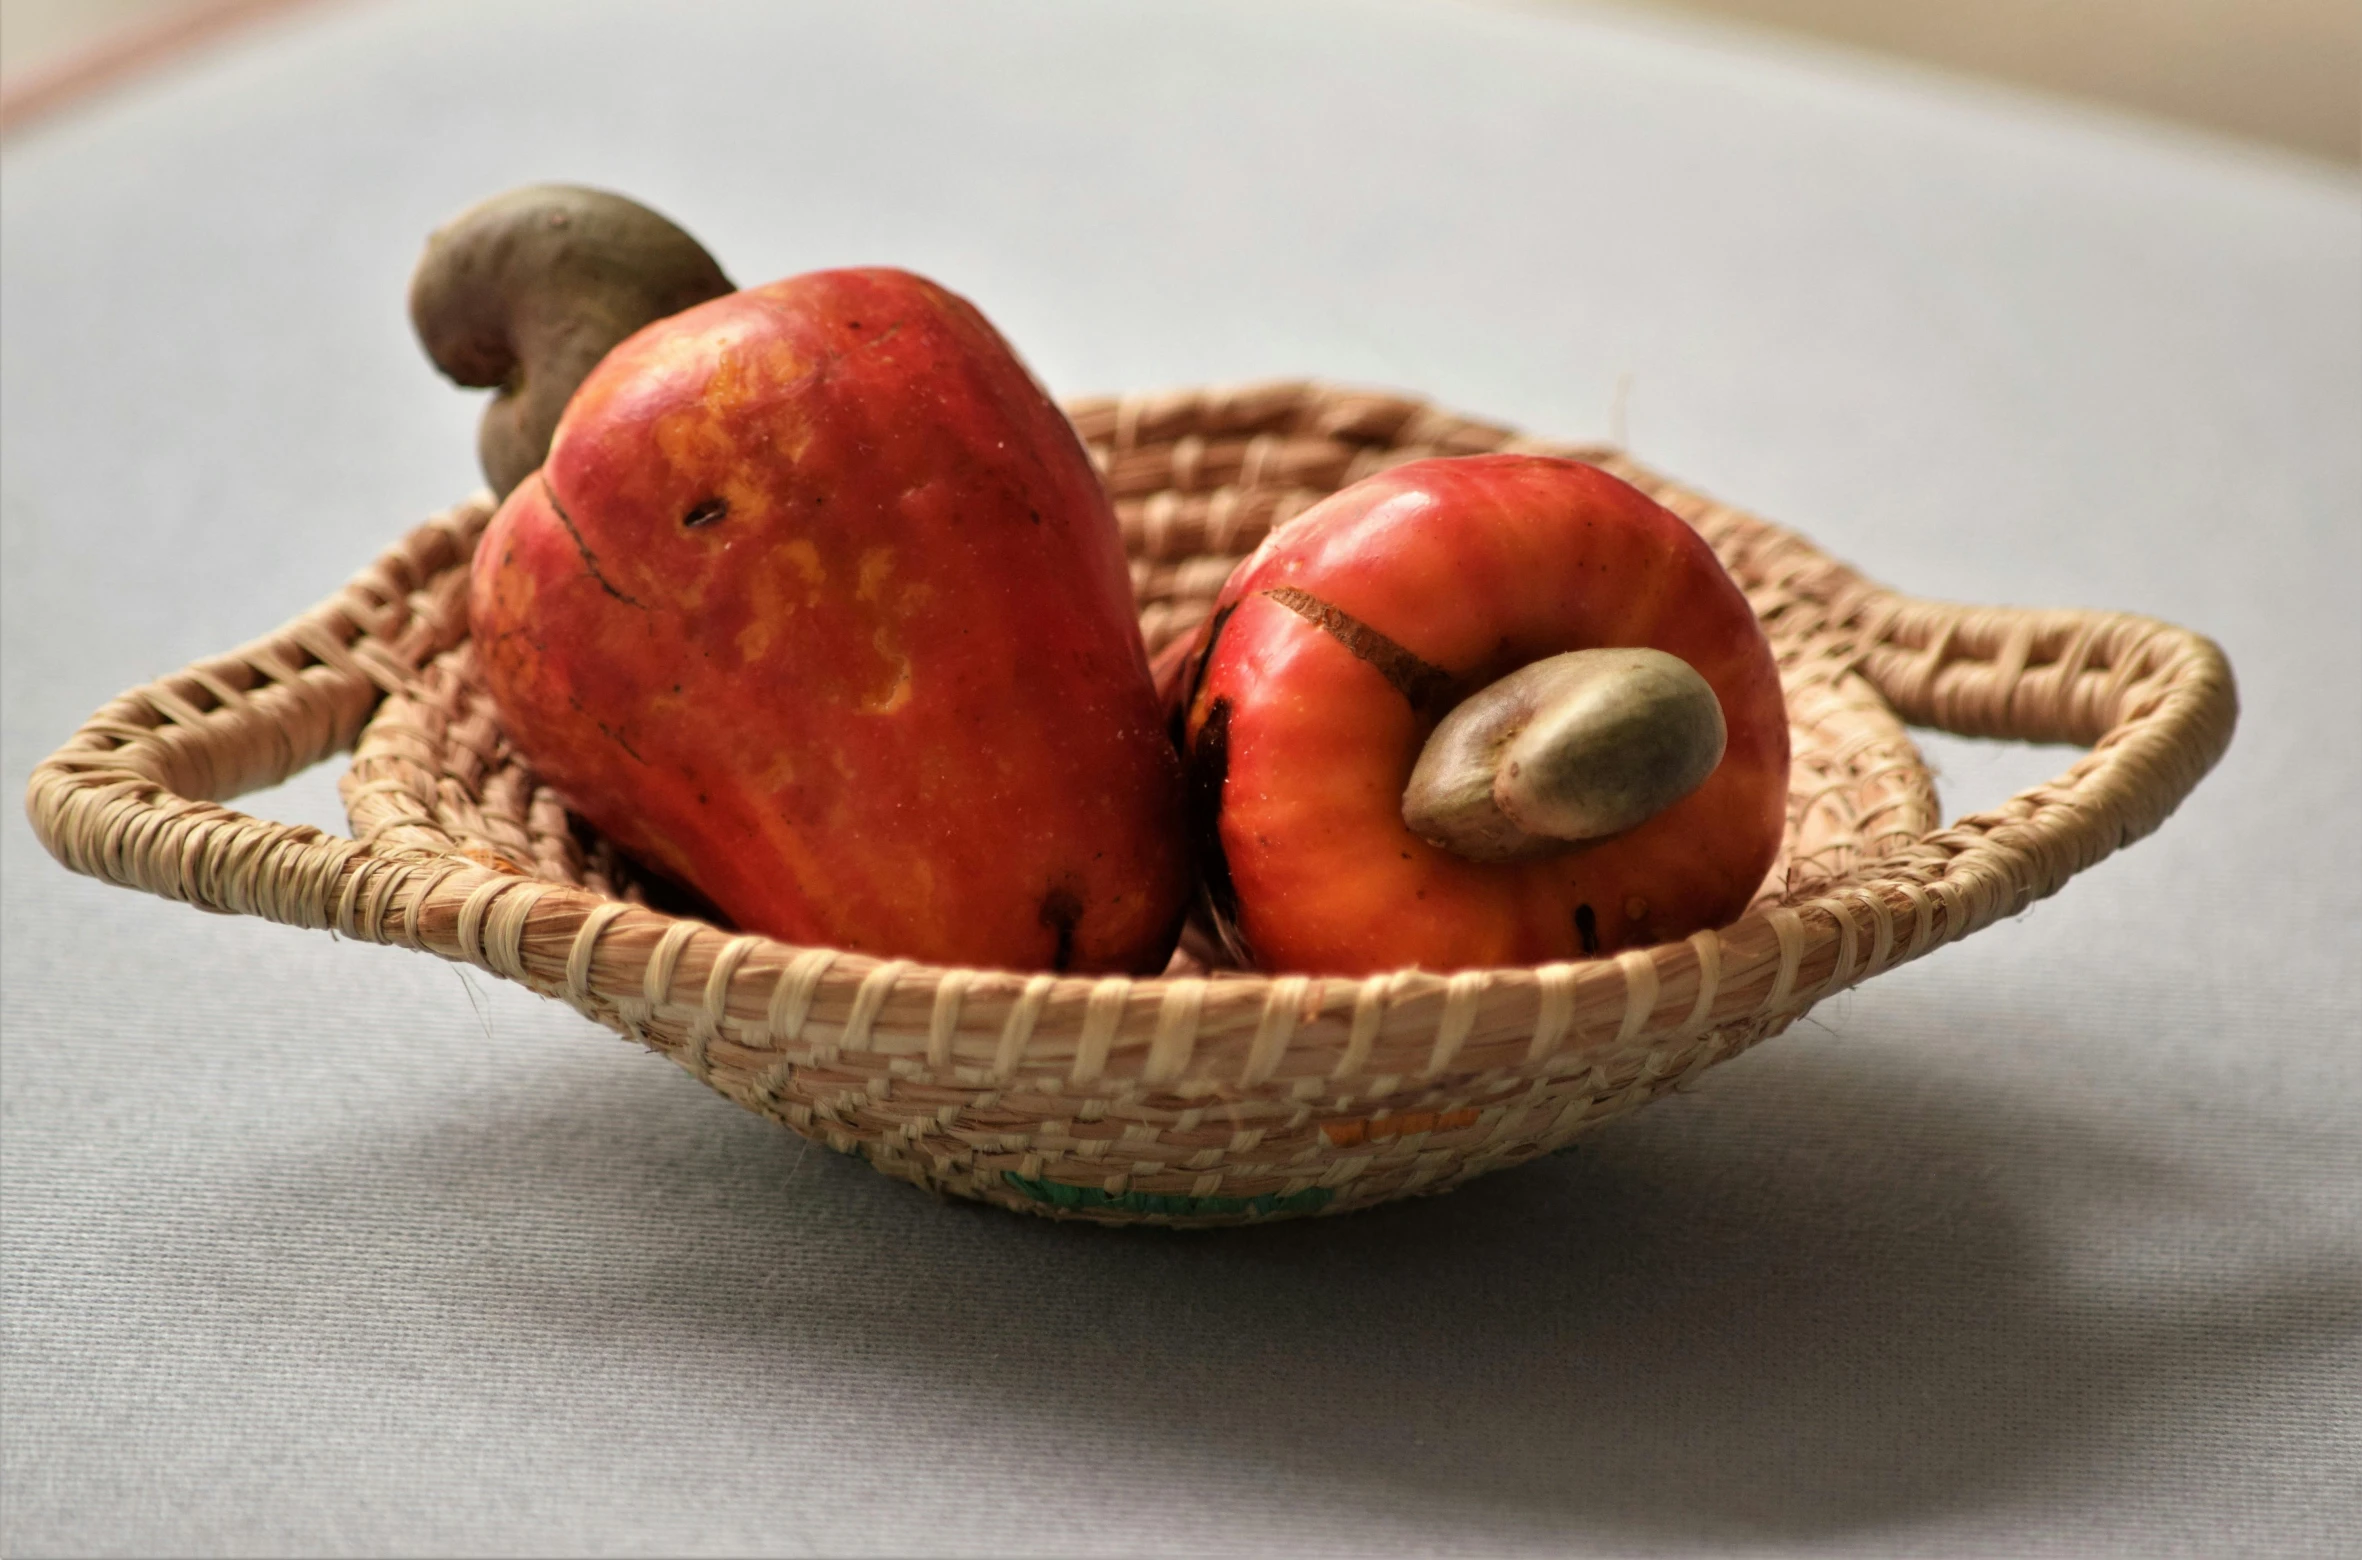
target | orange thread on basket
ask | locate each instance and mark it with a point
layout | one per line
(1376, 1129)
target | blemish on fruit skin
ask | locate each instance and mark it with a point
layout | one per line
(876, 567)
(778, 776)
(771, 596)
(1062, 909)
(897, 693)
(1587, 928)
(806, 559)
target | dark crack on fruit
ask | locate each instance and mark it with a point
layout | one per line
(1205, 657)
(1205, 770)
(590, 560)
(1428, 687)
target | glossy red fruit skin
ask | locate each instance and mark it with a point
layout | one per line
(818, 606)
(1297, 747)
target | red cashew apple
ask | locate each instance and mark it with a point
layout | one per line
(1494, 710)
(817, 605)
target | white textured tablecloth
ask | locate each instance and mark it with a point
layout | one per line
(2049, 1244)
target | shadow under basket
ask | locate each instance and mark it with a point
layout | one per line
(1203, 1096)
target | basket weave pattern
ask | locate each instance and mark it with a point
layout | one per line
(1205, 1095)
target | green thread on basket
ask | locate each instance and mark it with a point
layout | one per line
(1176, 1204)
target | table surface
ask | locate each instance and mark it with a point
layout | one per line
(2049, 1244)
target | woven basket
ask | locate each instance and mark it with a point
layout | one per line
(1204, 1096)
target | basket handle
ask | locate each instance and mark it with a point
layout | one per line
(133, 797)
(2153, 703)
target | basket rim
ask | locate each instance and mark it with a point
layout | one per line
(134, 798)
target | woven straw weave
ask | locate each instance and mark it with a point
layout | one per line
(1204, 1096)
